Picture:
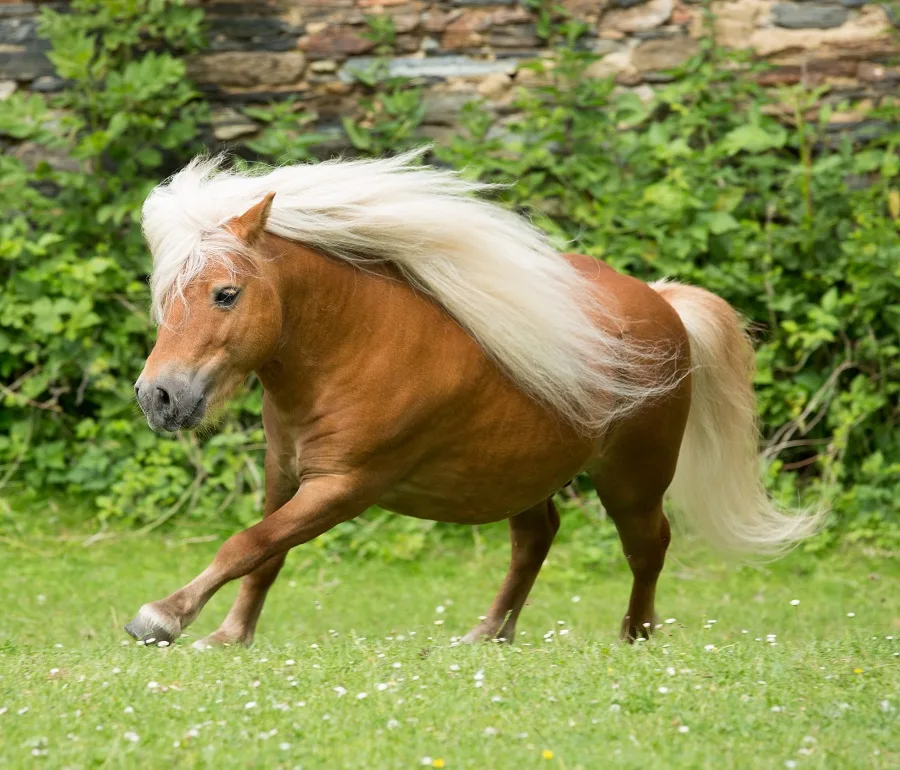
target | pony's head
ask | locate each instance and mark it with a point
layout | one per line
(215, 328)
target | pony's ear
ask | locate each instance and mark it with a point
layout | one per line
(250, 225)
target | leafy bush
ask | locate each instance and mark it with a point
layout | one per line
(73, 266)
(713, 181)
(795, 226)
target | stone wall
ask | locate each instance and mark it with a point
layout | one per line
(458, 50)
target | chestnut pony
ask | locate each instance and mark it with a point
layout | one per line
(427, 351)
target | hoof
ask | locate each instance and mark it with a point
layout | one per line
(151, 627)
(221, 639)
(472, 637)
(479, 634)
(631, 632)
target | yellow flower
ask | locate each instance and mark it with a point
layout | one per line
(857, 670)
(438, 762)
(547, 754)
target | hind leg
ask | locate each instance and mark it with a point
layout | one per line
(645, 536)
(239, 625)
(631, 477)
(530, 535)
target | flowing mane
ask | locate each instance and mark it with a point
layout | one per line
(495, 273)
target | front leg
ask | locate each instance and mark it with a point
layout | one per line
(320, 504)
(239, 625)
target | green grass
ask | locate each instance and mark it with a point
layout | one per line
(74, 691)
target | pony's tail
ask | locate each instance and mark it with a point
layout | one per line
(718, 489)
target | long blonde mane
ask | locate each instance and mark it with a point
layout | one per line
(495, 273)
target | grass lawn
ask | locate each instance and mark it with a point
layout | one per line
(354, 665)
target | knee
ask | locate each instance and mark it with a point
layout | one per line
(648, 563)
(265, 574)
(665, 534)
(647, 554)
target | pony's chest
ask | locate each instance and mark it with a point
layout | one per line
(298, 454)
(294, 461)
(284, 450)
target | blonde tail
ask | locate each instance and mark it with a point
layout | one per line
(717, 489)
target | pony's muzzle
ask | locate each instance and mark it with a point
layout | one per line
(171, 402)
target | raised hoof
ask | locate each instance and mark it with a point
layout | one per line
(150, 627)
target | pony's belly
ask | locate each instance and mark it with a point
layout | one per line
(479, 493)
(434, 507)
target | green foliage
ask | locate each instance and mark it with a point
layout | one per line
(284, 139)
(713, 181)
(392, 109)
(795, 227)
(382, 31)
(73, 267)
(555, 23)
(389, 116)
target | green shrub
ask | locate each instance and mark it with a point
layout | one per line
(73, 265)
(795, 225)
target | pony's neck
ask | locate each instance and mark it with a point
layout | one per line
(333, 313)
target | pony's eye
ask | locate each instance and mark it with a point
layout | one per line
(226, 297)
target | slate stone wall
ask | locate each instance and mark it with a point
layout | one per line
(464, 49)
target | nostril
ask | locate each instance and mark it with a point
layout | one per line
(162, 397)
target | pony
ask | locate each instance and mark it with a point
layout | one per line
(426, 350)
